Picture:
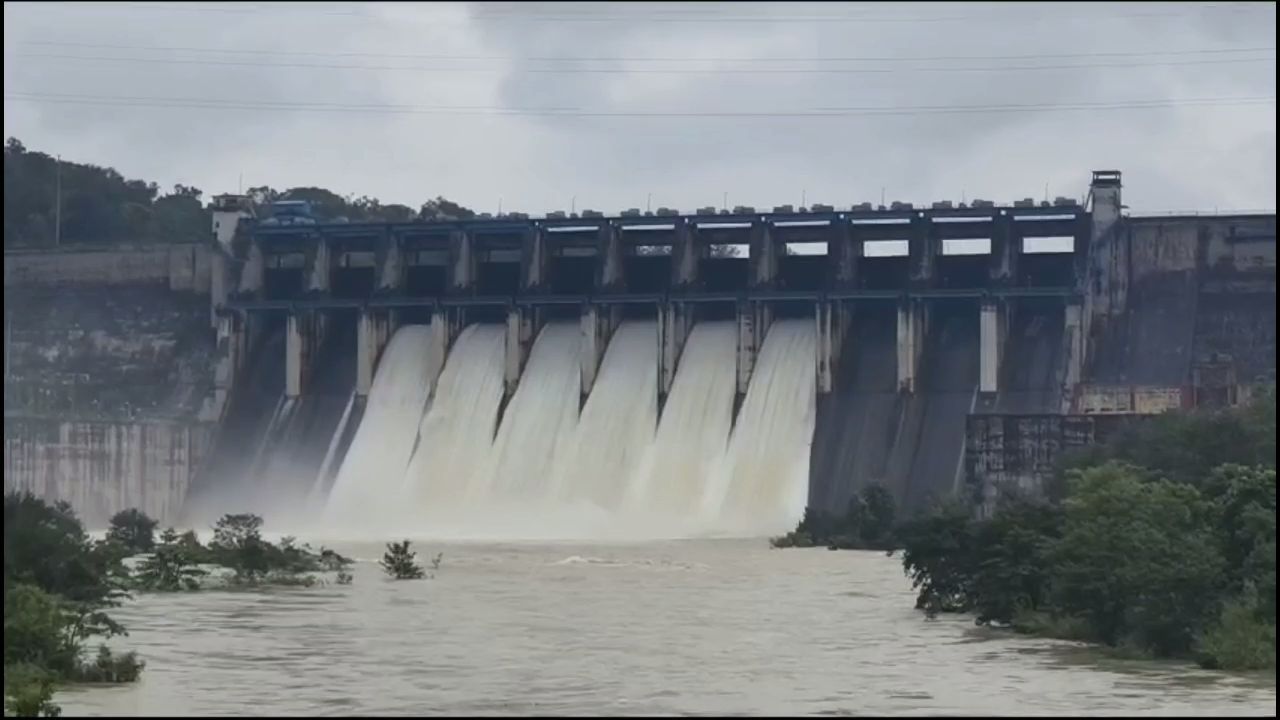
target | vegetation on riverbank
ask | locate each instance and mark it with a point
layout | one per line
(59, 585)
(1162, 541)
(869, 523)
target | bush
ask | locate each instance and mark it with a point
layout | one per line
(172, 567)
(868, 524)
(109, 668)
(28, 691)
(1240, 640)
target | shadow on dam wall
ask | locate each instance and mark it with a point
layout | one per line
(857, 421)
(297, 448)
(868, 432)
(270, 450)
(1031, 369)
(227, 471)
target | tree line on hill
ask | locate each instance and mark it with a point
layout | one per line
(50, 202)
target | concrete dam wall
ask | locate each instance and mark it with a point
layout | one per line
(623, 376)
(109, 376)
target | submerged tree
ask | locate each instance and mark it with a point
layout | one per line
(238, 545)
(133, 530)
(173, 566)
(399, 562)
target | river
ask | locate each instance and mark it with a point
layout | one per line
(693, 627)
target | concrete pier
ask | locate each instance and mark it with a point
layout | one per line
(372, 334)
(534, 260)
(674, 323)
(522, 329)
(462, 260)
(923, 248)
(318, 267)
(1074, 342)
(763, 256)
(609, 277)
(253, 272)
(992, 327)
(833, 321)
(390, 265)
(1003, 260)
(910, 339)
(598, 324)
(445, 326)
(684, 255)
(304, 333)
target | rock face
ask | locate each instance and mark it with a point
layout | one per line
(109, 374)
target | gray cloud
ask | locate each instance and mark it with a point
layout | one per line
(1174, 157)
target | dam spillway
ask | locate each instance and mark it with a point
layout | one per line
(654, 375)
(936, 368)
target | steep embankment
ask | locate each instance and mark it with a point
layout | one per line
(106, 380)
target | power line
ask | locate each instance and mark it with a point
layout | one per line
(652, 59)
(836, 112)
(678, 15)
(644, 71)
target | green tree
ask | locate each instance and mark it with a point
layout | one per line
(1136, 559)
(172, 567)
(442, 209)
(28, 691)
(238, 545)
(133, 530)
(37, 630)
(46, 546)
(1011, 574)
(939, 557)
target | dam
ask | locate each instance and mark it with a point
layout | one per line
(656, 374)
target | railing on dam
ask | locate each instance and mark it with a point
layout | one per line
(511, 301)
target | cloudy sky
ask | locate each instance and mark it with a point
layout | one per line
(607, 106)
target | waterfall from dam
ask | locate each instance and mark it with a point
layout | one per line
(456, 433)
(540, 419)
(763, 482)
(617, 422)
(694, 431)
(437, 468)
(374, 468)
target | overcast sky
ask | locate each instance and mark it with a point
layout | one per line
(683, 103)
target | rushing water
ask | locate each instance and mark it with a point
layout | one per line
(374, 467)
(692, 627)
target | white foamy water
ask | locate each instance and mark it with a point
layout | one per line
(617, 423)
(456, 433)
(540, 419)
(548, 474)
(694, 429)
(369, 479)
(763, 484)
